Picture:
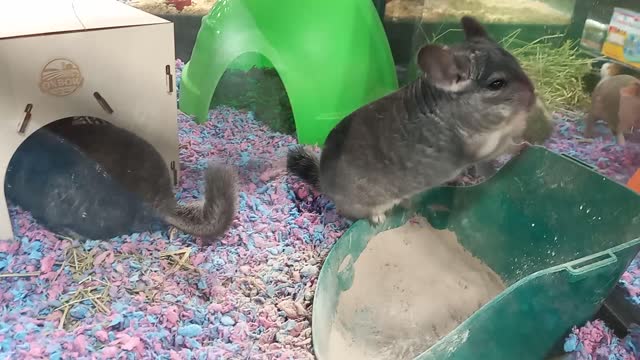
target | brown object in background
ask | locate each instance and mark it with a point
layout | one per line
(486, 11)
(179, 4)
(174, 7)
(611, 69)
(616, 99)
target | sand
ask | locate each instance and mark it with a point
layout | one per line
(487, 11)
(412, 286)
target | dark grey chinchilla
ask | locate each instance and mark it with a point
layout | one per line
(97, 181)
(470, 105)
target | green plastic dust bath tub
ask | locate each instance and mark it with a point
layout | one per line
(557, 234)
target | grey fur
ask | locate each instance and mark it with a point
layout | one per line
(213, 216)
(305, 166)
(470, 105)
(138, 167)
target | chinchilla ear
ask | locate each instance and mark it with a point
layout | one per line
(442, 68)
(631, 90)
(473, 29)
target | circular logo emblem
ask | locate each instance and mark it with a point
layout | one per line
(60, 77)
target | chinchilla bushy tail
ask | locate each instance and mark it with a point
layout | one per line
(304, 165)
(214, 216)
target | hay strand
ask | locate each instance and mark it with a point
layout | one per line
(96, 295)
(91, 291)
(27, 274)
(178, 259)
(80, 261)
(556, 67)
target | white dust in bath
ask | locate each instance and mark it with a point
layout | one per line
(412, 286)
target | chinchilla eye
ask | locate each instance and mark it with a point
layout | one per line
(497, 85)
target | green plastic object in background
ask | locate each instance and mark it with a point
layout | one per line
(332, 56)
(559, 234)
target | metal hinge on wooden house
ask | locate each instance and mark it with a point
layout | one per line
(103, 103)
(167, 71)
(22, 126)
(175, 173)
